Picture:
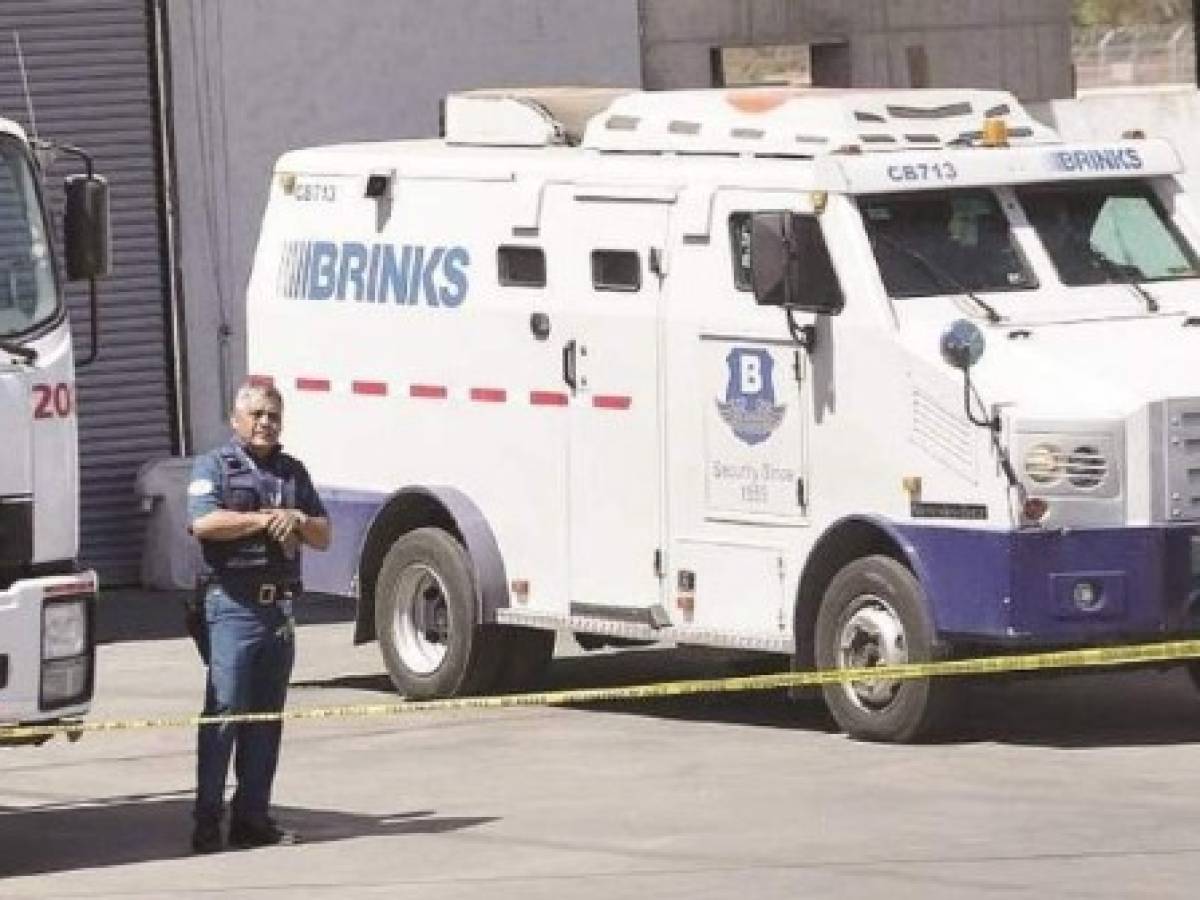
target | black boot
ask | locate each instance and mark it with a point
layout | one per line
(245, 835)
(206, 837)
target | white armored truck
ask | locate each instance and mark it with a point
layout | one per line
(47, 642)
(859, 377)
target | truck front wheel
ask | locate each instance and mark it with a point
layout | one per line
(429, 634)
(874, 614)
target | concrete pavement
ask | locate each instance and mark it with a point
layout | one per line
(1080, 786)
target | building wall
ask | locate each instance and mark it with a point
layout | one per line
(251, 79)
(1020, 45)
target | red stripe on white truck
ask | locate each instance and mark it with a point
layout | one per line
(427, 391)
(369, 388)
(611, 401)
(547, 398)
(418, 391)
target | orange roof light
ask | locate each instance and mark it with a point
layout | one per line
(995, 133)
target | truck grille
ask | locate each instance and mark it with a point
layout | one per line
(1178, 488)
(16, 530)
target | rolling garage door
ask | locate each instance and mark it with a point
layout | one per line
(91, 73)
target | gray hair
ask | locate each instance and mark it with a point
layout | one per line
(249, 391)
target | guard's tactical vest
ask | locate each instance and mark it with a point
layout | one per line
(247, 488)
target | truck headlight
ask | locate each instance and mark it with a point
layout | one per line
(64, 681)
(64, 629)
(1043, 464)
(1058, 463)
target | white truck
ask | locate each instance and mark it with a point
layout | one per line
(861, 377)
(47, 603)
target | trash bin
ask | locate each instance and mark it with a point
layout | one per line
(170, 556)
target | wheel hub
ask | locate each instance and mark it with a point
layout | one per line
(872, 635)
(421, 627)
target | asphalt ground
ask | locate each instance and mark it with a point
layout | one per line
(1070, 786)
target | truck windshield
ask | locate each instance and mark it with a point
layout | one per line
(943, 242)
(1107, 231)
(28, 297)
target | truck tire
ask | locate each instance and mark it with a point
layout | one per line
(874, 613)
(527, 653)
(426, 622)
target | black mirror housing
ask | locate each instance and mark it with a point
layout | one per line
(790, 265)
(86, 231)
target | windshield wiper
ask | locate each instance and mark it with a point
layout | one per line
(941, 275)
(27, 355)
(1118, 275)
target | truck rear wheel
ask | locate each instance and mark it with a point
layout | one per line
(874, 614)
(425, 619)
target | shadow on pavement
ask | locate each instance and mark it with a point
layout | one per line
(643, 666)
(1122, 707)
(138, 828)
(1069, 711)
(141, 615)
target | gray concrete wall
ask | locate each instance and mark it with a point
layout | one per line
(1020, 45)
(253, 78)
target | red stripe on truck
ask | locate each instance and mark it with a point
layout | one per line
(547, 398)
(489, 395)
(427, 391)
(611, 401)
(370, 388)
(312, 384)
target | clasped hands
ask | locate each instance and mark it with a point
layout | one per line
(284, 525)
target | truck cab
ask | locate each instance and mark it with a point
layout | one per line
(47, 633)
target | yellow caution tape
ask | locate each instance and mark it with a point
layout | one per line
(1091, 657)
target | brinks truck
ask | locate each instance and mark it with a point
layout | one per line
(860, 377)
(47, 635)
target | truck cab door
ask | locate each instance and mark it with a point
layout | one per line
(607, 252)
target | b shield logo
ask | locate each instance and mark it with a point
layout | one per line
(749, 407)
(405, 274)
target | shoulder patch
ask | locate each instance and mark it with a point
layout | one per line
(199, 487)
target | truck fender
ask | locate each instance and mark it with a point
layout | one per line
(847, 539)
(437, 506)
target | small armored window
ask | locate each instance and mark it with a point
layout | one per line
(739, 246)
(616, 270)
(521, 266)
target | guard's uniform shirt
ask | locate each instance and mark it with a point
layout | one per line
(230, 477)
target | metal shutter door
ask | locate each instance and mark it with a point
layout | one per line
(90, 68)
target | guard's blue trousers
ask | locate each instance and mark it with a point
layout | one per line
(253, 648)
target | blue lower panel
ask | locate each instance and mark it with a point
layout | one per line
(1022, 585)
(350, 513)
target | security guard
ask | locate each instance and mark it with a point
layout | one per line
(252, 507)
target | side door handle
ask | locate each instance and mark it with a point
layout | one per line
(569, 364)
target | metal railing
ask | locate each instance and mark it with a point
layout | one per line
(1109, 55)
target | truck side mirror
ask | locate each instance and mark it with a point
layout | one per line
(790, 264)
(86, 227)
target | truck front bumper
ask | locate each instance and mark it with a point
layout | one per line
(1059, 587)
(47, 648)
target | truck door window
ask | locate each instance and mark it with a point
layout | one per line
(1097, 232)
(521, 266)
(616, 270)
(943, 242)
(28, 296)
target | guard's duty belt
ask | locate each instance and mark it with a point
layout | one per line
(256, 590)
